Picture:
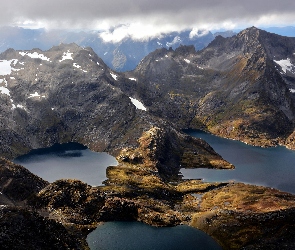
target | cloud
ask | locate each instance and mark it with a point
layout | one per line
(144, 18)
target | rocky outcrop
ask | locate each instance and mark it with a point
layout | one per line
(166, 151)
(22, 229)
(237, 215)
(17, 184)
(243, 216)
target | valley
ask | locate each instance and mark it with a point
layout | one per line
(241, 87)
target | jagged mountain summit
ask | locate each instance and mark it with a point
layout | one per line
(240, 87)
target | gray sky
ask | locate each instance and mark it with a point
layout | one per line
(141, 18)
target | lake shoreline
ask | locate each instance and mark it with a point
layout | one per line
(236, 215)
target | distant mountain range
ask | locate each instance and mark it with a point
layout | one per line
(122, 56)
(240, 87)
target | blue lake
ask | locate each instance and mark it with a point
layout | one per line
(68, 161)
(75, 161)
(136, 235)
(272, 167)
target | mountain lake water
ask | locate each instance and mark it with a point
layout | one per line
(68, 161)
(136, 235)
(270, 167)
(74, 161)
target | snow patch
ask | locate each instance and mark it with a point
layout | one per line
(166, 56)
(160, 44)
(132, 79)
(137, 104)
(5, 68)
(67, 56)
(292, 90)
(3, 80)
(35, 55)
(20, 106)
(76, 65)
(36, 95)
(114, 76)
(17, 106)
(5, 91)
(286, 65)
(187, 61)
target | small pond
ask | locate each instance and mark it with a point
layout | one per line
(136, 235)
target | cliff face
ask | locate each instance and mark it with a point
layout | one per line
(17, 184)
(239, 87)
(22, 229)
(60, 95)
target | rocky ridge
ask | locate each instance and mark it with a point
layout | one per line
(119, 55)
(239, 87)
(68, 94)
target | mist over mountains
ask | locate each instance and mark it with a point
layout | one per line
(121, 56)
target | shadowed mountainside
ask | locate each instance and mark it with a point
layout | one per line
(240, 87)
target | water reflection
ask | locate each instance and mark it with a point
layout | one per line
(273, 167)
(68, 161)
(136, 235)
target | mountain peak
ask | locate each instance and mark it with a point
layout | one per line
(249, 33)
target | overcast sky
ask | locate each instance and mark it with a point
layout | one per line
(141, 18)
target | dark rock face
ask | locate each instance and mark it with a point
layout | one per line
(239, 87)
(61, 95)
(68, 94)
(21, 229)
(17, 183)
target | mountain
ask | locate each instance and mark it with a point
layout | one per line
(241, 87)
(67, 94)
(120, 56)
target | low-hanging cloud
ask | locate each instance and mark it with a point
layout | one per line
(143, 18)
